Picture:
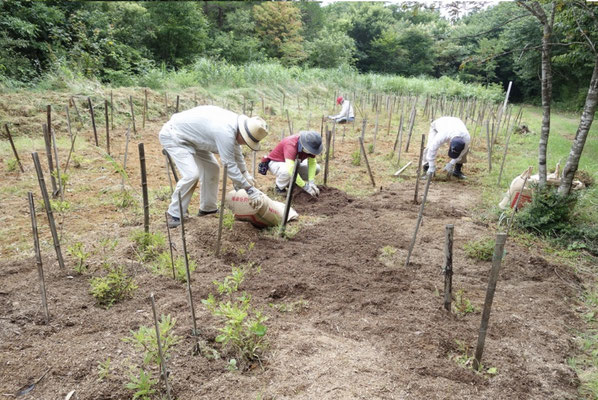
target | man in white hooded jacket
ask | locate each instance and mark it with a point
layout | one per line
(449, 130)
(192, 137)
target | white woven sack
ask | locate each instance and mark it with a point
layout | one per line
(269, 214)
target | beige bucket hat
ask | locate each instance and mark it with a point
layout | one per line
(253, 130)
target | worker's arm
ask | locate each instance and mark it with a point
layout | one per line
(229, 150)
(311, 169)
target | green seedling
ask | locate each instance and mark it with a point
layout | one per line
(141, 383)
(113, 287)
(123, 199)
(228, 220)
(481, 249)
(58, 206)
(148, 245)
(11, 164)
(296, 306)
(144, 339)
(103, 369)
(63, 177)
(356, 158)
(78, 252)
(462, 305)
(163, 266)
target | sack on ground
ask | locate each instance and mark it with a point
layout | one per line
(269, 214)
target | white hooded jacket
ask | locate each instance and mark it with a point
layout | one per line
(442, 131)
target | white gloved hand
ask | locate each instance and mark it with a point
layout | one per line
(312, 184)
(431, 169)
(250, 179)
(449, 168)
(256, 198)
(310, 189)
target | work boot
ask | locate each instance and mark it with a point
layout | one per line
(457, 172)
(279, 190)
(202, 213)
(172, 222)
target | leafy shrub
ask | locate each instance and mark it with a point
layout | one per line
(550, 215)
(123, 199)
(78, 252)
(11, 164)
(58, 205)
(113, 287)
(481, 249)
(462, 305)
(356, 158)
(144, 339)
(141, 383)
(148, 245)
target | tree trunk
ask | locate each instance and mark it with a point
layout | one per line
(546, 98)
(587, 117)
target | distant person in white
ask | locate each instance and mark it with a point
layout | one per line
(346, 115)
(192, 137)
(449, 130)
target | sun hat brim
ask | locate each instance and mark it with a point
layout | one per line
(251, 142)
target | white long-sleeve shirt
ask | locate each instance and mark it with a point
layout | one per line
(346, 111)
(212, 129)
(442, 131)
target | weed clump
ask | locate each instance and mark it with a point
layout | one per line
(163, 266)
(481, 249)
(148, 245)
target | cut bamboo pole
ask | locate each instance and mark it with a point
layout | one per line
(14, 149)
(146, 216)
(177, 104)
(287, 207)
(289, 123)
(127, 138)
(48, 206)
(419, 169)
(132, 115)
(326, 163)
(375, 130)
(73, 138)
(160, 352)
(402, 169)
(504, 157)
(496, 262)
(448, 266)
(107, 127)
(389, 119)
(419, 219)
(49, 117)
(222, 210)
(170, 243)
(93, 121)
(367, 163)
(333, 138)
(38, 257)
(411, 123)
(362, 135)
(48, 142)
(189, 293)
(111, 111)
(55, 148)
(488, 147)
(144, 108)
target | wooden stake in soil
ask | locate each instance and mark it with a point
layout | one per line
(93, 121)
(362, 135)
(504, 157)
(496, 262)
(489, 148)
(111, 111)
(170, 241)
(221, 216)
(367, 163)
(287, 207)
(38, 257)
(189, 293)
(289, 123)
(160, 353)
(127, 137)
(328, 136)
(402, 169)
(42, 187)
(144, 107)
(177, 104)
(48, 142)
(132, 115)
(448, 266)
(60, 191)
(107, 127)
(419, 219)
(14, 149)
(146, 216)
(419, 169)
(411, 123)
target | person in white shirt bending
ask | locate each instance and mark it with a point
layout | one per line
(192, 137)
(346, 115)
(449, 130)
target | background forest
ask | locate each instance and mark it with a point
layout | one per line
(120, 43)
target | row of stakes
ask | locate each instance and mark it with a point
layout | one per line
(48, 135)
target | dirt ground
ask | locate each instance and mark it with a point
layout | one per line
(346, 320)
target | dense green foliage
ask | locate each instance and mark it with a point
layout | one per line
(119, 41)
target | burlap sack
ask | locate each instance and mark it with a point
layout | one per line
(269, 214)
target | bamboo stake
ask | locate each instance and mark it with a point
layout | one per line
(14, 149)
(362, 136)
(144, 108)
(42, 186)
(328, 136)
(333, 138)
(375, 130)
(146, 217)
(60, 190)
(367, 163)
(287, 207)
(189, 293)
(132, 115)
(402, 169)
(177, 104)
(504, 157)
(111, 111)
(73, 138)
(496, 262)
(107, 127)
(411, 123)
(49, 117)
(399, 132)
(221, 216)
(419, 219)
(160, 353)
(419, 169)
(48, 142)
(389, 119)
(489, 148)
(448, 266)
(289, 123)
(170, 241)
(127, 137)
(93, 121)
(166, 103)
(38, 257)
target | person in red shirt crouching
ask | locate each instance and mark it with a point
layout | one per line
(281, 161)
